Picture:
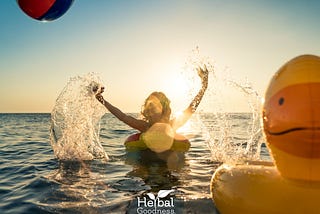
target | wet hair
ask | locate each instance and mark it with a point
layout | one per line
(165, 103)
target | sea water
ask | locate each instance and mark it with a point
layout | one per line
(33, 180)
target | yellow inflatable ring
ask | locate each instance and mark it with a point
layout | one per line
(261, 189)
(135, 143)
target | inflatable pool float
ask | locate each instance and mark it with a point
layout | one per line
(135, 142)
(159, 138)
(291, 120)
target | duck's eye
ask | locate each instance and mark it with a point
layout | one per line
(281, 101)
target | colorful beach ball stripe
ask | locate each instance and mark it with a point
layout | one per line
(45, 10)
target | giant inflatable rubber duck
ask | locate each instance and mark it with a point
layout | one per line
(291, 120)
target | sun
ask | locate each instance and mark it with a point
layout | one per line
(178, 89)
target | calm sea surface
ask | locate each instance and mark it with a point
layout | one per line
(32, 180)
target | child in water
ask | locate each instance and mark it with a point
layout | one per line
(156, 109)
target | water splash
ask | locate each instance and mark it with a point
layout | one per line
(252, 145)
(75, 120)
(225, 136)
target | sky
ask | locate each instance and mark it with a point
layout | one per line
(139, 46)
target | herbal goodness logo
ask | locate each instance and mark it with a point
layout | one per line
(156, 205)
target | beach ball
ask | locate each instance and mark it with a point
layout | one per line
(45, 10)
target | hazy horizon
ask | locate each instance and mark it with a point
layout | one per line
(142, 46)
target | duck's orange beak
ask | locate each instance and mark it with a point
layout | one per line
(291, 118)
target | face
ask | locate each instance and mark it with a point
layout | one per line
(153, 109)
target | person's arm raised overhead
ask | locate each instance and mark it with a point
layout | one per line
(187, 113)
(140, 125)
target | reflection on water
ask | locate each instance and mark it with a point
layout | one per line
(79, 187)
(97, 186)
(33, 181)
(159, 171)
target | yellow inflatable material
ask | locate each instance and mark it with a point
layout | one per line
(135, 143)
(159, 137)
(291, 121)
(260, 189)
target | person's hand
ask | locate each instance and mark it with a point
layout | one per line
(203, 73)
(100, 97)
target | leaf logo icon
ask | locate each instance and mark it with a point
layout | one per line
(151, 196)
(164, 193)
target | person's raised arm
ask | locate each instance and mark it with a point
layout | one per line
(187, 113)
(127, 119)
